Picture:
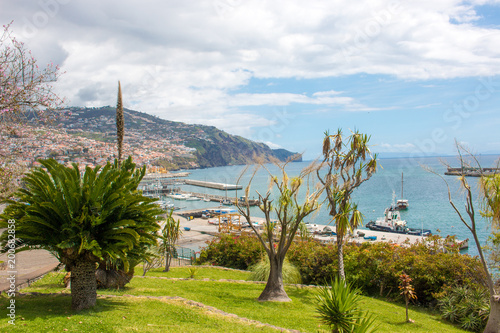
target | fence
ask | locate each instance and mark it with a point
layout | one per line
(183, 256)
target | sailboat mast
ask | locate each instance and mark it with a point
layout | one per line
(402, 186)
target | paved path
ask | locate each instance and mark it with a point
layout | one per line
(28, 266)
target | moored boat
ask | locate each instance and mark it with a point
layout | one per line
(392, 222)
(402, 204)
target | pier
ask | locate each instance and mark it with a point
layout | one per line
(472, 172)
(220, 198)
(218, 186)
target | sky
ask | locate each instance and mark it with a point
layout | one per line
(415, 75)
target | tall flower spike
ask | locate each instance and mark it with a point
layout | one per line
(119, 123)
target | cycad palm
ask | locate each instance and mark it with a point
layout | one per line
(84, 220)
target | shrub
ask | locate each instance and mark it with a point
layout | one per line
(469, 307)
(372, 267)
(375, 267)
(232, 251)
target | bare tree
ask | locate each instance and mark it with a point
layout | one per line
(489, 194)
(283, 215)
(25, 90)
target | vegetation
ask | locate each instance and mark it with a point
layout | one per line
(407, 291)
(467, 306)
(25, 91)
(135, 312)
(97, 218)
(344, 169)
(288, 214)
(120, 124)
(338, 307)
(169, 236)
(490, 198)
(373, 268)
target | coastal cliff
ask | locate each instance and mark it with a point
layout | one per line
(179, 145)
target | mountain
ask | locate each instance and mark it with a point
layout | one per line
(177, 144)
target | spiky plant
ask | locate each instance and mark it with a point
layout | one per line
(338, 307)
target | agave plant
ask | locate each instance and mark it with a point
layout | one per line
(338, 307)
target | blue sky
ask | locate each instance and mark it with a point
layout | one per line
(415, 75)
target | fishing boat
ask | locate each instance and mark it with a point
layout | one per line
(402, 204)
(392, 222)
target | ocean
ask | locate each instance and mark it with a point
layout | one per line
(426, 192)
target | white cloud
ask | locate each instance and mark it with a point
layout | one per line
(272, 145)
(187, 60)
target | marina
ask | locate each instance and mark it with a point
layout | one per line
(427, 194)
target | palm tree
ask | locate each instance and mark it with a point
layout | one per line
(342, 170)
(84, 220)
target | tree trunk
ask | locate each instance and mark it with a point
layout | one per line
(274, 290)
(83, 285)
(407, 317)
(493, 324)
(168, 260)
(112, 278)
(340, 249)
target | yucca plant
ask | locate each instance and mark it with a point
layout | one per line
(261, 270)
(338, 307)
(84, 219)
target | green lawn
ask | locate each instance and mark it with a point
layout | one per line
(151, 315)
(212, 273)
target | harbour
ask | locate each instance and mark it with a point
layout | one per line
(193, 224)
(427, 194)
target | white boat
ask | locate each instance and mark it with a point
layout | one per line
(165, 204)
(402, 204)
(178, 196)
(206, 199)
(392, 222)
(192, 198)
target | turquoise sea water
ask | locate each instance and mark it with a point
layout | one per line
(427, 193)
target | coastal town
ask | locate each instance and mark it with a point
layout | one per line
(91, 141)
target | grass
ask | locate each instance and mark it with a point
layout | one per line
(124, 314)
(212, 273)
(238, 298)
